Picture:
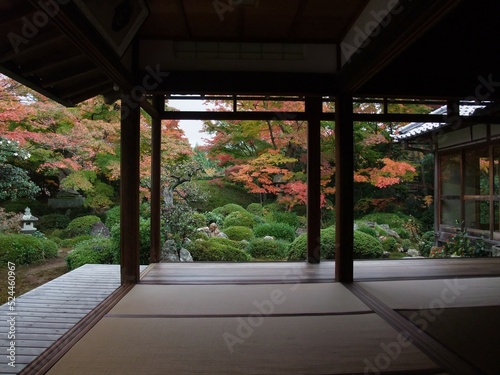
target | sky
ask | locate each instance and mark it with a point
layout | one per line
(192, 128)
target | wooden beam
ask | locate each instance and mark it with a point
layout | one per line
(248, 83)
(70, 21)
(313, 113)
(344, 184)
(159, 104)
(129, 192)
(221, 116)
(327, 116)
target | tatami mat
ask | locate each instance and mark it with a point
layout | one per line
(471, 332)
(439, 293)
(285, 345)
(238, 299)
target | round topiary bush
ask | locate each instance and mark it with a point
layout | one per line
(239, 218)
(97, 250)
(25, 249)
(71, 242)
(81, 225)
(298, 248)
(284, 217)
(280, 231)
(53, 221)
(217, 250)
(366, 246)
(255, 209)
(228, 208)
(268, 249)
(239, 233)
(213, 217)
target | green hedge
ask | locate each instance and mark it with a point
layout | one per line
(81, 225)
(97, 250)
(217, 250)
(112, 217)
(279, 231)
(366, 246)
(255, 209)
(390, 244)
(239, 218)
(228, 208)
(25, 249)
(284, 217)
(144, 241)
(239, 233)
(52, 221)
(72, 242)
(268, 249)
(298, 248)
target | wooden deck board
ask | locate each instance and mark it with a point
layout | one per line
(49, 311)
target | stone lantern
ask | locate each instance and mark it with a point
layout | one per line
(27, 221)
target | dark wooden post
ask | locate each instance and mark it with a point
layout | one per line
(313, 113)
(159, 104)
(129, 191)
(344, 196)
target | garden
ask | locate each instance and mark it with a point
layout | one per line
(240, 197)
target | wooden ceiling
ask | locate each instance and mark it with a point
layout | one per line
(430, 48)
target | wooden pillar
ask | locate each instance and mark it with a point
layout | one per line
(129, 191)
(154, 257)
(313, 113)
(344, 195)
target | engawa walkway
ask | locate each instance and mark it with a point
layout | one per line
(46, 313)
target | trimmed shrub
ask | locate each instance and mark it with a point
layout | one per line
(239, 233)
(389, 244)
(25, 249)
(71, 242)
(52, 221)
(239, 218)
(212, 217)
(368, 230)
(284, 217)
(255, 209)
(81, 225)
(366, 246)
(112, 217)
(229, 208)
(199, 220)
(298, 248)
(144, 241)
(268, 249)
(280, 231)
(97, 250)
(217, 250)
